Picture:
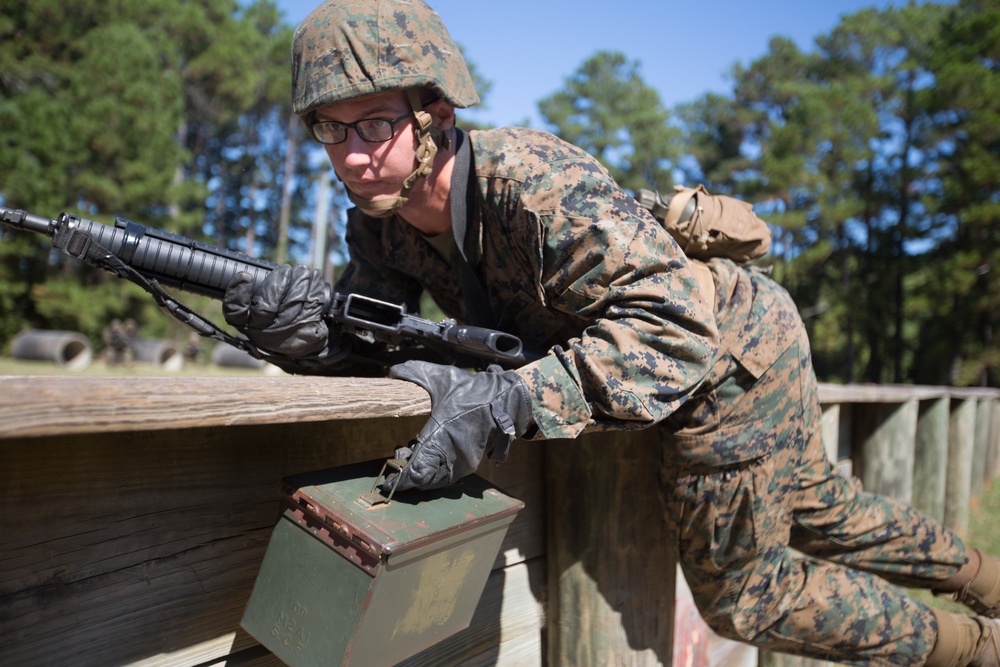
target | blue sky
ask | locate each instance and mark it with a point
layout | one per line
(527, 48)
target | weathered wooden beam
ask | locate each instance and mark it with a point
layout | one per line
(930, 466)
(885, 434)
(831, 431)
(611, 557)
(53, 405)
(994, 468)
(981, 447)
(961, 445)
(877, 393)
(135, 512)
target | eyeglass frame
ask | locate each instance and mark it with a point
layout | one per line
(354, 126)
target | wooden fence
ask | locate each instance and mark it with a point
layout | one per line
(135, 512)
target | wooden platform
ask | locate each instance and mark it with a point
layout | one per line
(135, 511)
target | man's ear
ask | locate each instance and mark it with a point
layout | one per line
(442, 113)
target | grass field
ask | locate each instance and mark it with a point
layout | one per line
(984, 519)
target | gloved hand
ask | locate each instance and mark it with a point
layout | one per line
(284, 315)
(470, 413)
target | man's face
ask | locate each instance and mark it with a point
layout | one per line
(373, 170)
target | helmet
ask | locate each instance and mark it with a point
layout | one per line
(346, 49)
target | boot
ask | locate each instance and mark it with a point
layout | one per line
(964, 641)
(976, 585)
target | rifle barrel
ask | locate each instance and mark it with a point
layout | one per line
(20, 219)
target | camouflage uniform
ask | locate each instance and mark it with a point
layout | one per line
(572, 265)
(567, 259)
(750, 481)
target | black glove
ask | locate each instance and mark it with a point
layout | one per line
(470, 413)
(284, 316)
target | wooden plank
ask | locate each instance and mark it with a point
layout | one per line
(142, 547)
(831, 431)
(878, 393)
(125, 546)
(611, 556)
(994, 468)
(233, 649)
(60, 405)
(930, 468)
(135, 512)
(885, 434)
(961, 444)
(977, 393)
(981, 446)
(507, 627)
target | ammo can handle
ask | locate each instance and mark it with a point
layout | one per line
(375, 497)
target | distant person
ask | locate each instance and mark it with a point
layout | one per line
(193, 351)
(115, 343)
(131, 334)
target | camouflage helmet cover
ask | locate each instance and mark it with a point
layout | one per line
(349, 48)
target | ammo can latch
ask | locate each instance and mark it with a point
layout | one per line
(375, 497)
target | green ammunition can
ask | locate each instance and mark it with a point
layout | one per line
(350, 578)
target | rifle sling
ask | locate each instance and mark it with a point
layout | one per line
(81, 245)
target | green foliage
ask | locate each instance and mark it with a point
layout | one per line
(87, 308)
(875, 156)
(966, 104)
(876, 159)
(609, 111)
(171, 112)
(126, 112)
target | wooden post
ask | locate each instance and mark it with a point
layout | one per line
(611, 559)
(135, 513)
(994, 469)
(886, 434)
(961, 443)
(930, 467)
(144, 507)
(981, 455)
(845, 439)
(831, 431)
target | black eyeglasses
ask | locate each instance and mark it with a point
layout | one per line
(372, 130)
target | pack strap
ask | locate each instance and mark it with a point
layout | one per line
(477, 303)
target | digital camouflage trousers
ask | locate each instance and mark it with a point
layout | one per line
(782, 552)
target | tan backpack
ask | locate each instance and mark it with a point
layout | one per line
(707, 226)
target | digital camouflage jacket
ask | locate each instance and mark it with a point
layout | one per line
(571, 264)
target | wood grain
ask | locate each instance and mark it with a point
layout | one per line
(60, 405)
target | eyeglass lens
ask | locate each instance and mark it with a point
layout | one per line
(373, 130)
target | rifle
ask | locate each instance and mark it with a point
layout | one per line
(151, 257)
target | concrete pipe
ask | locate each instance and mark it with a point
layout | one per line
(163, 354)
(227, 355)
(69, 349)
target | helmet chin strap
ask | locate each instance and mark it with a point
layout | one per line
(428, 136)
